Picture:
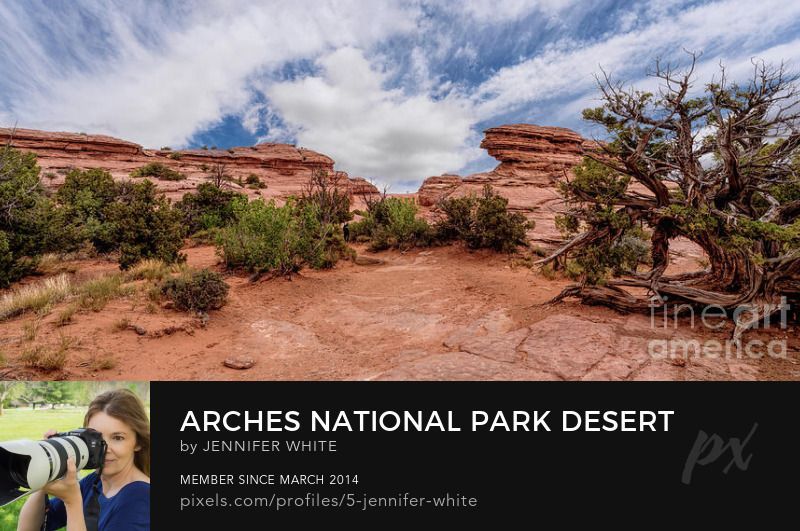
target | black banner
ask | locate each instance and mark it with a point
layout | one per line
(412, 452)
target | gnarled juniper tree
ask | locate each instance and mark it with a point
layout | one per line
(720, 167)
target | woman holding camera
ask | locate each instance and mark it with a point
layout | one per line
(114, 498)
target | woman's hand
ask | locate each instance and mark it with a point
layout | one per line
(67, 489)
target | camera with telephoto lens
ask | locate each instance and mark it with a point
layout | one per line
(26, 464)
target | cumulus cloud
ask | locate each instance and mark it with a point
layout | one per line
(373, 131)
(159, 79)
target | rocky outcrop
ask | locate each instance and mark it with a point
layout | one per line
(435, 188)
(531, 153)
(74, 144)
(532, 161)
(283, 168)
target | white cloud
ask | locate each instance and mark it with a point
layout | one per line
(566, 67)
(504, 10)
(198, 69)
(158, 73)
(372, 131)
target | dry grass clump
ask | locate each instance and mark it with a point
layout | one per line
(103, 363)
(37, 297)
(65, 316)
(30, 330)
(121, 324)
(48, 358)
(95, 294)
(152, 269)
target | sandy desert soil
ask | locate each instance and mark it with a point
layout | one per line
(442, 314)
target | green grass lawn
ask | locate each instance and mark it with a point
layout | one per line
(28, 424)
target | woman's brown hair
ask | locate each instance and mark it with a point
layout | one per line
(124, 405)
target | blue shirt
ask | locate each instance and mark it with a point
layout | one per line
(127, 510)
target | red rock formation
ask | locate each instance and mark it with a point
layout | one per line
(282, 167)
(532, 161)
(531, 153)
(360, 186)
(435, 188)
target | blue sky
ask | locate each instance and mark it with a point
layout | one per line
(396, 90)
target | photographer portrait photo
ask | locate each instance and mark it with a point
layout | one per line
(74, 455)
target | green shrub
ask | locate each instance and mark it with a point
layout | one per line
(320, 244)
(83, 201)
(147, 226)
(159, 171)
(210, 207)
(262, 239)
(392, 222)
(26, 215)
(253, 182)
(265, 238)
(176, 155)
(197, 291)
(483, 222)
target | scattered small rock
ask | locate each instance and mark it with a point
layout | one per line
(168, 305)
(678, 362)
(367, 260)
(239, 362)
(139, 330)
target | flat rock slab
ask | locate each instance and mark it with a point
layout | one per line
(461, 366)
(239, 362)
(498, 347)
(567, 346)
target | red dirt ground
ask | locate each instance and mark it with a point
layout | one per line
(442, 313)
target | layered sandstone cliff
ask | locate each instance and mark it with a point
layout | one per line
(284, 168)
(532, 161)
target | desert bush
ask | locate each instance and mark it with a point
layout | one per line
(329, 197)
(255, 182)
(147, 226)
(159, 171)
(25, 215)
(209, 207)
(265, 238)
(483, 222)
(261, 239)
(392, 222)
(197, 291)
(176, 155)
(320, 244)
(83, 205)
